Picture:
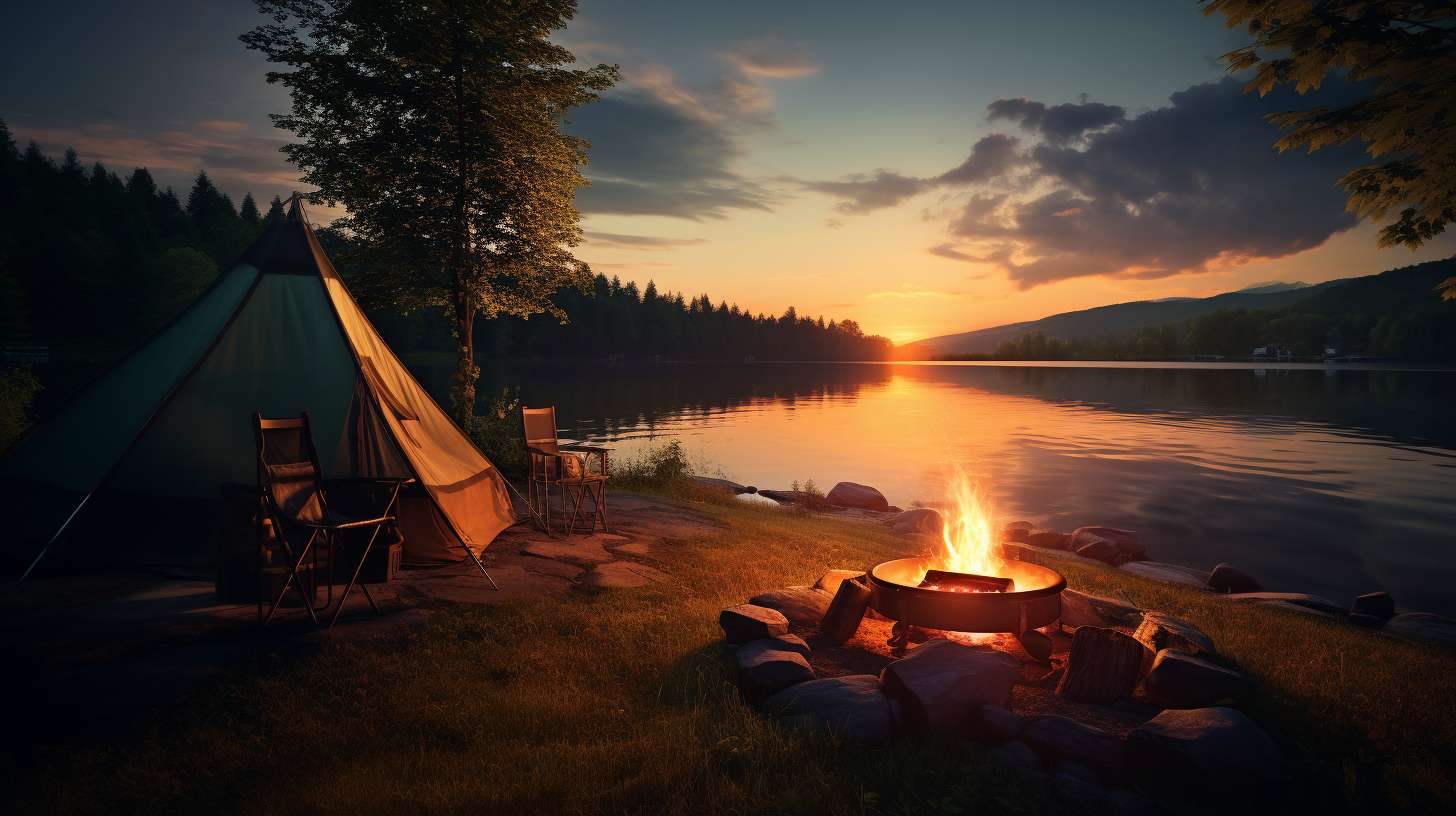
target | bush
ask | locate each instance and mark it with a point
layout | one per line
(656, 468)
(497, 432)
(18, 388)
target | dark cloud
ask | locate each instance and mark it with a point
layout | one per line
(643, 242)
(990, 158)
(651, 156)
(1058, 124)
(1168, 192)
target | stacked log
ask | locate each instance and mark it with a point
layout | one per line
(1103, 666)
(846, 611)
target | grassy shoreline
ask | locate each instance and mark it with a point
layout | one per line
(623, 701)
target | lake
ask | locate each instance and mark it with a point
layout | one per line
(1334, 481)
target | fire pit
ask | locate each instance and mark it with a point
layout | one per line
(968, 586)
(1034, 600)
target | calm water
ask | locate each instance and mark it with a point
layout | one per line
(1333, 481)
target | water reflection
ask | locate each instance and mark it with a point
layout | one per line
(1332, 483)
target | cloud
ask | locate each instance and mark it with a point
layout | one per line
(222, 126)
(1175, 190)
(1180, 189)
(907, 292)
(641, 242)
(653, 152)
(1058, 124)
(771, 58)
(991, 157)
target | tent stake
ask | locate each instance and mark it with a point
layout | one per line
(47, 547)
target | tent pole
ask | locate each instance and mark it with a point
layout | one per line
(476, 559)
(47, 547)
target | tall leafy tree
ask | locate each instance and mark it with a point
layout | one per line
(437, 124)
(1405, 50)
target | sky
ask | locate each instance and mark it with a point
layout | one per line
(923, 169)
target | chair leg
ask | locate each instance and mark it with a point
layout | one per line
(353, 579)
(291, 581)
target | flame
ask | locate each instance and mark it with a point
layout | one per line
(968, 535)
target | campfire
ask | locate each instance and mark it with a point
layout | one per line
(967, 587)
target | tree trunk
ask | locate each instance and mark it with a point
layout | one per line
(462, 391)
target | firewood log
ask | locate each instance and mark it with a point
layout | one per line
(1103, 666)
(845, 611)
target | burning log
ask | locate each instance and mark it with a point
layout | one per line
(1103, 666)
(965, 582)
(846, 611)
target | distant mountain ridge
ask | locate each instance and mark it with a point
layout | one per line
(1116, 319)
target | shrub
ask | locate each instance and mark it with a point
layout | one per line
(18, 387)
(497, 432)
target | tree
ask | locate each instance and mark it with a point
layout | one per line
(248, 212)
(437, 124)
(1404, 51)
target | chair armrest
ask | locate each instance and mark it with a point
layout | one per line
(584, 448)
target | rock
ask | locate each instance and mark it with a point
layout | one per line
(1159, 631)
(1048, 539)
(786, 643)
(1123, 802)
(803, 606)
(942, 682)
(1041, 555)
(992, 723)
(1127, 544)
(1102, 667)
(1097, 549)
(1367, 621)
(622, 575)
(1086, 609)
(764, 670)
(831, 580)
(1170, 573)
(1056, 737)
(1205, 752)
(1422, 626)
(917, 520)
(1378, 604)
(852, 707)
(1076, 792)
(864, 497)
(1016, 531)
(1076, 770)
(723, 484)
(1228, 578)
(1016, 755)
(746, 622)
(782, 496)
(1180, 680)
(1313, 602)
(1036, 644)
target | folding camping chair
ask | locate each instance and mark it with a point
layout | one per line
(295, 501)
(567, 467)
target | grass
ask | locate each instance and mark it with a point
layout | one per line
(623, 702)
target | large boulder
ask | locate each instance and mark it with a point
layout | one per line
(1180, 680)
(803, 606)
(1424, 627)
(1048, 539)
(992, 723)
(785, 643)
(1379, 605)
(1121, 545)
(1205, 753)
(941, 683)
(831, 580)
(747, 622)
(1086, 609)
(1016, 531)
(852, 707)
(1159, 631)
(1229, 578)
(863, 497)
(1170, 573)
(764, 669)
(1312, 602)
(1058, 738)
(916, 520)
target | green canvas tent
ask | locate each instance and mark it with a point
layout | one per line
(278, 334)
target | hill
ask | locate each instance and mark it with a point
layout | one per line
(1117, 319)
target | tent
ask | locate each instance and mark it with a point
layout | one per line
(278, 334)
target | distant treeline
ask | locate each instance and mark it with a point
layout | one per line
(1397, 314)
(618, 319)
(92, 263)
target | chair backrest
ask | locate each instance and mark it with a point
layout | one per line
(540, 426)
(288, 467)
